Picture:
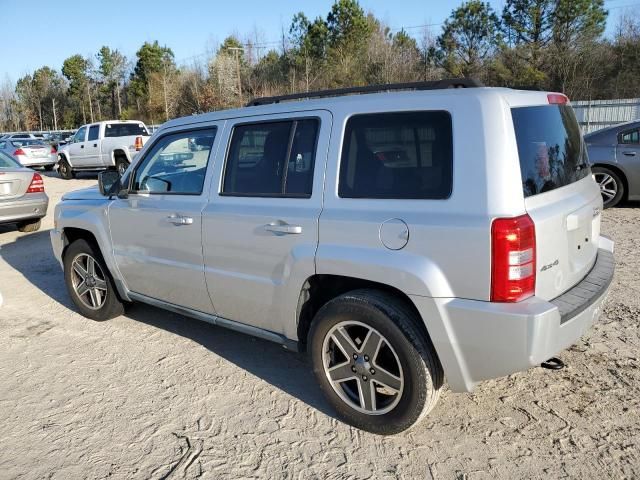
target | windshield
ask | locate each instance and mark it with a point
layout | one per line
(550, 148)
(7, 162)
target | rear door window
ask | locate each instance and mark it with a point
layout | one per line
(272, 159)
(550, 148)
(404, 155)
(94, 131)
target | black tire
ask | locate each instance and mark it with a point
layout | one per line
(395, 321)
(613, 183)
(65, 170)
(121, 165)
(112, 306)
(48, 168)
(29, 226)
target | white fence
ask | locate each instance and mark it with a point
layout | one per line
(596, 114)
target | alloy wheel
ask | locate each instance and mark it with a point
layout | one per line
(88, 281)
(362, 367)
(608, 186)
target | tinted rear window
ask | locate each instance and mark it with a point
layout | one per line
(125, 130)
(7, 162)
(397, 156)
(550, 148)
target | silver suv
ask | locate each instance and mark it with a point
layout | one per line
(400, 237)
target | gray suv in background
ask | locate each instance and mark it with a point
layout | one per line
(400, 237)
(614, 154)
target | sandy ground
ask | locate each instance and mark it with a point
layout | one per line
(156, 395)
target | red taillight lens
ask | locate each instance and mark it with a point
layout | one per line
(19, 152)
(557, 98)
(138, 144)
(513, 259)
(53, 150)
(36, 185)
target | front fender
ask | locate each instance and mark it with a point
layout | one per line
(90, 216)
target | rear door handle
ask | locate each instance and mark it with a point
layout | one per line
(629, 154)
(95, 144)
(179, 220)
(283, 228)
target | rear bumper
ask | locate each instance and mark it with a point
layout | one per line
(483, 340)
(37, 162)
(24, 209)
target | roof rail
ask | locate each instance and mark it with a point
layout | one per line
(431, 85)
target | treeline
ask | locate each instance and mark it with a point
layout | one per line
(548, 44)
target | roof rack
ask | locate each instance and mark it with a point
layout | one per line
(431, 85)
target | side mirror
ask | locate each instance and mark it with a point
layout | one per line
(109, 182)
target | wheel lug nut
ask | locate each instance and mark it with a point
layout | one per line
(373, 372)
(366, 358)
(365, 378)
(353, 369)
(355, 356)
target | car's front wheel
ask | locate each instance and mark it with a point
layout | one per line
(373, 363)
(64, 169)
(89, 283)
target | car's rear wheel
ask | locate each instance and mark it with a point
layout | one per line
(611, 186)
(89, 283)
(65, 170)
(376, 368)
(30, 225)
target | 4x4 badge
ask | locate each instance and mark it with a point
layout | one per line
(550, 265)
(596, 211)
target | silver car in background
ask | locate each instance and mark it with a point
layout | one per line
(22, 197)
(30, 153)
(614, 154)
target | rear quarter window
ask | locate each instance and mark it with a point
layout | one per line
(550, 148)
(405, 155)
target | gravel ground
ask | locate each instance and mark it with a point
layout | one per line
(157, 395)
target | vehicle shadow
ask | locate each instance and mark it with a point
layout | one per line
(32, 256)
(79, 175)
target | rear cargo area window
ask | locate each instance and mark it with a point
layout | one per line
(125, 130)
(397, 156)
(550, 148)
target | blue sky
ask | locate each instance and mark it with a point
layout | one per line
(48, 31)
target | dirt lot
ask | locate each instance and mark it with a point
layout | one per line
(156, 395)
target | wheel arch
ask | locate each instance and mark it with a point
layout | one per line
(319, 289)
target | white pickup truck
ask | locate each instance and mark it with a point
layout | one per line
(102, 145)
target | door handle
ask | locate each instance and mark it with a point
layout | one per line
(283, 228)
(629, 154)
(95, 144)
(81, 146)
(179, 220)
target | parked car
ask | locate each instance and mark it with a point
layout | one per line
(57, 139)
(29, 152)
(102, 145)
(398, 237)
(23, 200)
(614, 154)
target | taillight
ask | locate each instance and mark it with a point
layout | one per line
(138, 144)
(53, 150)
(36, 185)
(557, 99)
(513, 259)
(19, 152)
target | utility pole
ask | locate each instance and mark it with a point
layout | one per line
(237, 51)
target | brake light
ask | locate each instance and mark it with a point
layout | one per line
(19, 151)
(513, 259)
(557, 99)
(53, 150)
(36, 185)
(138, 144)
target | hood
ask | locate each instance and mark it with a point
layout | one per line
(91, 193)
